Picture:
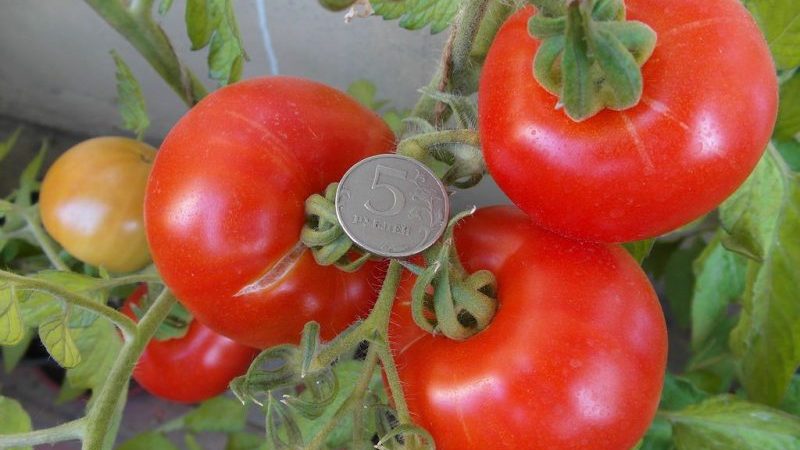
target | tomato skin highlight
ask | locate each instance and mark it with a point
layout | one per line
(706, 116)
(225, 201)
(574, 358)
(191, 369)
(91, 202)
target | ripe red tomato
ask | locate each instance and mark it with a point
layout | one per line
(224, 205)
(708, 109)
(196, 367)
(573, 359)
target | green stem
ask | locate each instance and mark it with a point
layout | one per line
(130, 279)
(393, 378)
(376, 322)
(45, 242)
(109, 398)
(428, 141)
(139, 28)
(455, 62)
(125, 324)
(353, 401)
(65, 432)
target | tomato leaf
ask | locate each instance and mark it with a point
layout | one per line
(9, 143)
(99, 344)
(365, 92)
(763, 218)
(416, 14)
(245, 441)
(164, 6)
(15, 419)
(27, 180)
(791, 402)
(680, 393)
(202, 18)
(639, 249)
(780, 22)
(12, 354)
(226, 54)
(218, 414)
(790, 151)
(191, 442)
(12, 329)
(150, 440)
(57, 338)
(37, 307)
(719, 279)
(679, 281)
(132, 106)
(788, 123)
(728, 423)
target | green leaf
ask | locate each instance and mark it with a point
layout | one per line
(132, 106)
(790, 151)
(14, 419)
(191, 442)
(164, 6)
(658, 436)
(679, 393)
(37, 307)
(150, 440)
(27, 181)
(226, 55)
(9, 143)
(218, 414)
(639, 249)
(416, 14)
(365, 92)
(99, 344)
(679, 281)
(12, 329)
(763, 217)
(57, 338)
(780, 22)
(12, 354)
(791, 402)
(719, 279)
(731, 424)
(246, 441)
(788, 124)
(202, 18)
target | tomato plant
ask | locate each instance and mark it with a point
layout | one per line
(191, 368)
(91, 202)
(225, 199)
(705, 117)
(574, 357)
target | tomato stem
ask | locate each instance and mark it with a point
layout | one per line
(138, 27)
(65, 432)
(459, 64)
(105, 411)
(46, 243)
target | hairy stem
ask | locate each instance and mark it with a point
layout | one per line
(102, 417)
(125, 324)
(353, 401)
(45, 242)
(65, 432)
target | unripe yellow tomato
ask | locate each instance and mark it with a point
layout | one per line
(91, 202)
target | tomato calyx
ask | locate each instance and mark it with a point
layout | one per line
(174, 326)
(590, 56)
(324, 235)
(454, 155)
(448, 300)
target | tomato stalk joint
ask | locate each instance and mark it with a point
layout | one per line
(590, 56)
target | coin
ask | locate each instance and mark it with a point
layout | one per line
(392, 205)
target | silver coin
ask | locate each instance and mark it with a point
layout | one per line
(392, 205)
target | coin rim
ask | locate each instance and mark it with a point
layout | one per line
(426, 169)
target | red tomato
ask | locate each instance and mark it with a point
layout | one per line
(708, 109)
(573, 359)
(224, 205)
(190, 369)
